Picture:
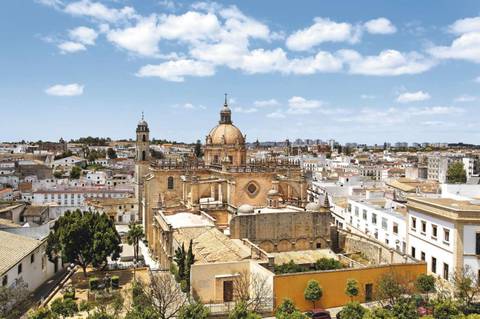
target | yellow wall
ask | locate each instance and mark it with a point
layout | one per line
(333, 283)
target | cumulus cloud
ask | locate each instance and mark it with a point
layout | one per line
(465, 47)
(467, 44)
(83, 35)
(465, 25)
(189, 106)
(266, 103)
(387, 63)
(73, 89)
(50, 3)
(380, 26)
(99, 11)
(71, 47)
(323, 30)
(300, 105)
(413, 97)
(177, 70)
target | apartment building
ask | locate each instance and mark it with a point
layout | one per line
(382, 219)
(445, 233)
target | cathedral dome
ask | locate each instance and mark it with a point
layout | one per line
(225, 134)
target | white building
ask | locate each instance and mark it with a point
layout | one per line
(381, 219)
(23, 257)
(445, 233)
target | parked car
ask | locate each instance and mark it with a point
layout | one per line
(319, 314)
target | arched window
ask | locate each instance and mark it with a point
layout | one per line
(143, 155)
(144, 138)
(170, 182)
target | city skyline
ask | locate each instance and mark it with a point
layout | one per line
(391, 73)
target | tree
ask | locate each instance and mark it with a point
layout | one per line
(466, 286)
(194, 310)
(134, 235)
(12, 296)
(287, 268)
(379, 313)
(445, 309)
(389, 288)
(41, 313)
(198, 149)
(162, 296)
(58, 174)
(405, 308)
(425, 284)
(456, 174)
(111, 153)
(179, 258)
(252, 289)
(64, 308)
(287, 310)
(352, 310)
(75, 172)
(313, 292)
(351, 289)
(189, 261)
(240, 311)
(327, 264)
(84, 238)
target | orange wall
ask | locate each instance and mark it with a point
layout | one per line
(333, 283)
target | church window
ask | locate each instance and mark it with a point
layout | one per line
(143, 155)
(144, 138)
(170, 182)
(252, 188)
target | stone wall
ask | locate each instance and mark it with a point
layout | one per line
(374, 251)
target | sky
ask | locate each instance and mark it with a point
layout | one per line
(356, 71)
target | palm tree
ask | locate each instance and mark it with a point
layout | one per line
(135, 233)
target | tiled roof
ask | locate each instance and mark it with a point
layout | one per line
(14, 248)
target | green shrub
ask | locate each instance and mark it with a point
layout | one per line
(352, 310)
(93, 283)
(41, 313)
(115, 282)
(327, 264)
(85, 306)
(64, 308)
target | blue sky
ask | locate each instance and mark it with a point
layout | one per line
(356, 71)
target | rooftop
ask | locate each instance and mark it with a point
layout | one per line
(183, 220)
(14, 248)
(303, 256)
(210, 245)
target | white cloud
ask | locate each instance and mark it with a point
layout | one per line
(73, 89)
(177, 70)
(465, 98)
(276, 115)
(465, 47)
(83, 35)
(266, 103)
(300, 105)
(246, 110)
(141, 39)
(380, 26)
(413, 97)
(98, 11)
(465, 25)
(71, 47)
(50, 3)
(323, 30)
(477, 79)
(367, 97)
(387, 63)
(190, 26)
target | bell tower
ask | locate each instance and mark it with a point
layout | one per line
(143, 141)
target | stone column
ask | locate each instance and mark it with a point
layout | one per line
(220, 195)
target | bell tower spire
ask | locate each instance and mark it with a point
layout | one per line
(225, 113)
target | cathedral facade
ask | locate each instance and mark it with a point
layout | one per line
(216, 186)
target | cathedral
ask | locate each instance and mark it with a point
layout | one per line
(222, 185)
